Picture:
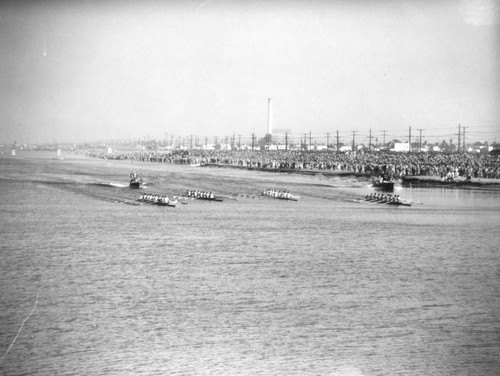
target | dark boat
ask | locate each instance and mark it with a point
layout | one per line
(135, 184)
(135, 180)
(384, 185)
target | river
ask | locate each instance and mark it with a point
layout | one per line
(95, 283)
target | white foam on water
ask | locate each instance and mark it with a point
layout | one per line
(118, 185)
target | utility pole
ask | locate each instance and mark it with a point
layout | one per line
(286, 141)
(239, 141)
(463, 138)
(370, 142)
(310, 136)
(420, 142)
(327, 140)
(409, 139)
(337, 141)
(458, 145)
(383, 142)
(353, 140)
(305, 140)
(253, 140)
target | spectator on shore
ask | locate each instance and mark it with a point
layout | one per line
(387, 164)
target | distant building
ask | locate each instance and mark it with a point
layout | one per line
(401, 147)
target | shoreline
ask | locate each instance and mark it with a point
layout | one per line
(435, 181)
(412, 181)
(405, 181)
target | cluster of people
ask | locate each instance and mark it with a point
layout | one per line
(277, 193)
(134, 177)
(393, 164)
(199, 194)
(379, 197)
(152, 197)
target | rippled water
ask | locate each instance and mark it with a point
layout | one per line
(92, 283)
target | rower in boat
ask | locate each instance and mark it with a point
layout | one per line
(371, 197)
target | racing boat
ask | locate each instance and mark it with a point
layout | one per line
(279, 194)
(388, 202)
(158, 200)
(201, 195)
(219, 199)
(170, 203)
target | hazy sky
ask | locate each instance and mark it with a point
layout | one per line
(87, 70)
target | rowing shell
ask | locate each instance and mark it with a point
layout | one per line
(291, 198)
(219, 199)
(160, 203)
(170, 203)
(395, 203)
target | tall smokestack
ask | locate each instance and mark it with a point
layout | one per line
(269, 116)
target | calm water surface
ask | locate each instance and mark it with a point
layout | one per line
(94, 284)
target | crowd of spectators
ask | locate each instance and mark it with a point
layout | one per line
(388, 164)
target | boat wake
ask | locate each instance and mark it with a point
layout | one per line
(115, 185)
(111, 184)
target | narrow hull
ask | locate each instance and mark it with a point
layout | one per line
(219, 199)
(160, 203)
(291, 198)
(393, 203)
(171, 204)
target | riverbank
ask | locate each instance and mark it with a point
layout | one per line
(435, 181)
(301, 171)
(413, 181)
(126, 165)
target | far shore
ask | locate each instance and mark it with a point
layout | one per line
(413, 181)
